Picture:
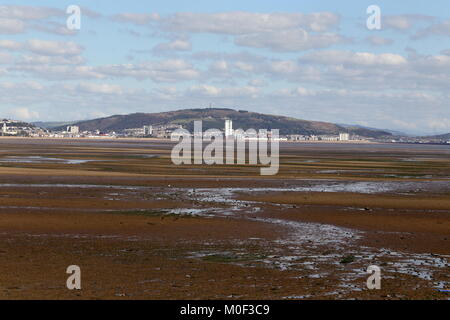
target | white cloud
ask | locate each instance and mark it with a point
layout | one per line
(284, 67)
(205, 90)
(257, 83)
(54, 28)
(29, 12)
(354, 58)
(175, 45)
(30, 85)
(239, 22)
(290, 40)
(213, 91)
(296, 92)
(43, 54)
(90, 13)
(136, 18)
(219, 66)
(172, 70)
(166, 93)
(276, 31)
(244, 66)
(18, 19)
(439, 29)
(58, 72)
(23, 114)
(442, 125)
(35, 59)
(6, 58)
(11, 26)
(10, 45)
(379, 41)
(399, 110)
(404, 22)
(102, 88)
(57, 48)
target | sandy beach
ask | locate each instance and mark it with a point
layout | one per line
(142, 228)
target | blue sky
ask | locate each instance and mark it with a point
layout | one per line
(315, 60)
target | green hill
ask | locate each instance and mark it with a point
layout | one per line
(214, 118)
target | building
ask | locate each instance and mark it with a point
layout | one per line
(19, 128)
(329, 138)
(73, 129)
(297, 137)
(134, 132)
(344, 137)
(158, 131)
(229, 128)
(165, 131)
(148, 130)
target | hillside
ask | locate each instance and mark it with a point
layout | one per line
(52, 124)
(214, 118)
(443, 137)
(16, 124)
(356, 126)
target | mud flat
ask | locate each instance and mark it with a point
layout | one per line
(142, 228)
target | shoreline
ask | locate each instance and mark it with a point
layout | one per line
(169, 140)
(111, 139)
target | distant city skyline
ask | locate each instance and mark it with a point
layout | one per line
(313, 61)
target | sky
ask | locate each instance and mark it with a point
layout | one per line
(313, 60)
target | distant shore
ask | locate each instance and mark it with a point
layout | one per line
(168, 140)
(364, 142)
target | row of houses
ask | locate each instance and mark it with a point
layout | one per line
(341, 137)
(159, 131)
(165, 131)
(19, 128)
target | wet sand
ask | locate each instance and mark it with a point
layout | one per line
(142, 228)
